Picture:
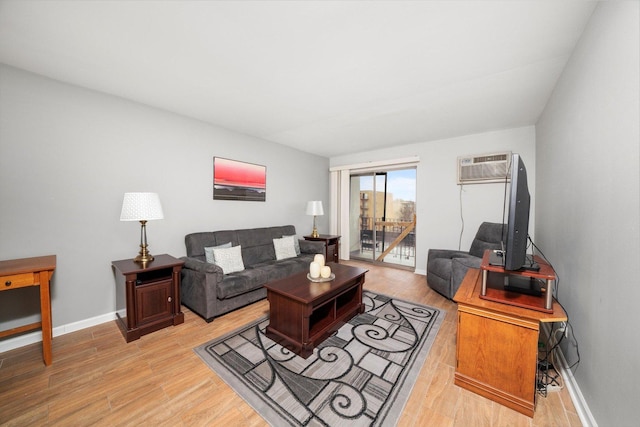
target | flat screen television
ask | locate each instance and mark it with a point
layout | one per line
(515, 242)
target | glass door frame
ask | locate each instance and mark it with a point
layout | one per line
(372, 235)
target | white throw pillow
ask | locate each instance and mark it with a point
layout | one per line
(284, 247)
(229, 259)
(296, 244)
(208, 252)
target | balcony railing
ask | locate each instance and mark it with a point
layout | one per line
(385, 234)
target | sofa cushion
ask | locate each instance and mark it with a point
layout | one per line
(241, 282)
(196, 242)
(284, 247)
(276, 270)
(257, 245)
(229, 259)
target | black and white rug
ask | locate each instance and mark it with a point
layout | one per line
(362, 375)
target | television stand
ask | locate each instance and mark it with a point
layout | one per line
(532, 289)
(496, 258)
(497, 346)
(531, 264)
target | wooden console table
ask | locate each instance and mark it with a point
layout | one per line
(497, 346)
(37, 271)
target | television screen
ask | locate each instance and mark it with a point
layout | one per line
(515, 256)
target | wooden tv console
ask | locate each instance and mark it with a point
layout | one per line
(497, 346)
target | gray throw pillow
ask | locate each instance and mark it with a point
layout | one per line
(208, 252)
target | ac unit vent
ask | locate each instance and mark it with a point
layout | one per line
(483, 169)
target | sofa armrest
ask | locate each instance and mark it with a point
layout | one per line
(311, 247)
(200, 266)
(199, 286)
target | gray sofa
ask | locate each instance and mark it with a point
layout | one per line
(446, 267)
(210, 293)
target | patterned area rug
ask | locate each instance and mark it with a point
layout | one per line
(362, 375)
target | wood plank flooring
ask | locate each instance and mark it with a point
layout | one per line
(97, 379)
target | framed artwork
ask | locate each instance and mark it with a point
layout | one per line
(234, 180)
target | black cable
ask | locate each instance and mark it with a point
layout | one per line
(461, 220)
(557, 287)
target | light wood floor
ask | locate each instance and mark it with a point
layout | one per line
(98, 379)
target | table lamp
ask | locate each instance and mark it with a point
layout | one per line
(141, 207)
(314, 208)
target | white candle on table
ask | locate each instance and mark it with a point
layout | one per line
(325, 271)
(319, 258)
(314, 270)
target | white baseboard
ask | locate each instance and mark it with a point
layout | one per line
(582, 409)
(35, 337)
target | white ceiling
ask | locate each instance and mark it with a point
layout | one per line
(325, 77)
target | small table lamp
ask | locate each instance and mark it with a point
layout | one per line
(141, 207)
(314, 208)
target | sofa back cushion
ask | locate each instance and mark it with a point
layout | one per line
(257, 243)
(196, 242)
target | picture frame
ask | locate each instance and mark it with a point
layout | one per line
(236, 180)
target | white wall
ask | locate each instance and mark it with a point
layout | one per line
(440, 203)
(67, 156)
(588, 207)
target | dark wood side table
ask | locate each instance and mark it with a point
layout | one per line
(37, 271)
(331, 244)
(147, 296)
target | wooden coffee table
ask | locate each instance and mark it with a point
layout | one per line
(303, 313)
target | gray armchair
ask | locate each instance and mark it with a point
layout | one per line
(446, 268)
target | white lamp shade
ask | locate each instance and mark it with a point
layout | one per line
(315, 208)
(141, 207)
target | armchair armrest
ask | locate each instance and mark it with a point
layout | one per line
(446, 268)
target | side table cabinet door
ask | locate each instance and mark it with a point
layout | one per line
(332, 250)
(153, 301)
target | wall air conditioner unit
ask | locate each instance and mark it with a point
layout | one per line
(483, 169)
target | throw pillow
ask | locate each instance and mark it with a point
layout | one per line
(284, 247)
(296, 244)
(208, 252)
(229, 259)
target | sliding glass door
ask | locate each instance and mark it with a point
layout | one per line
(382, 216)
